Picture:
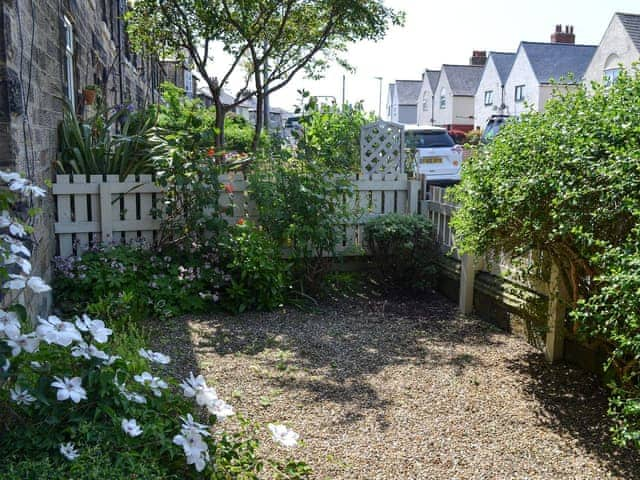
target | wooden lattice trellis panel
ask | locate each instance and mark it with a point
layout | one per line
(382, 148)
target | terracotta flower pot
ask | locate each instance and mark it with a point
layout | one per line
(89, 96)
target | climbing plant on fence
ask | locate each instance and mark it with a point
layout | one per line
(566, 182)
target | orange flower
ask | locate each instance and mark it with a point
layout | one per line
(240, 221)
(211, 152)
(228, 188)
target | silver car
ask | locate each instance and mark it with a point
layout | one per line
(437, 155)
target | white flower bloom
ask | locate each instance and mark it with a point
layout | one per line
(9, 324)
(283, 435)
(24, 264)
(28, 342)
(18, 184)
(8, 177)
(131, 427)
(197, 387)
(81, 350)
(18, 282)
(36, 365)
(36, 191)
(220, 409)
(96, 327)
(190, 425)
(54, 330)
(21, 397)
(68, 450)
(195, 448)
(16, 245)
(6, 366)
(17, 230)
(155, 357)
(69, 389)
(131, 396)
(155, 383)
(111, 359)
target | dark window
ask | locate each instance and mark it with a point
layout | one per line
(420, 139)
(488, 97)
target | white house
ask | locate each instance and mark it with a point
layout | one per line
(539, 69)
(402, 101)
(620, 45)
(427, 97)
(454, 96)
(490, 95)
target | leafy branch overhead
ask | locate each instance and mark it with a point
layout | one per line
(268, 41)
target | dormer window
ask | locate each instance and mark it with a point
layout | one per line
(488, 97)
(519, 93)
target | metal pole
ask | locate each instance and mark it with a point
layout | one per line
(379, 98)
(265, 97)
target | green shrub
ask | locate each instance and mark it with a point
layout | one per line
(566, 183)
(402, 249)
(258, 273)
(330, 136)
(303, 209)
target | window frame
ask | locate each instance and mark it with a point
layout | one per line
(69, 67)
(611, 75)
(443, 98)
(488, 98)
(518, 94)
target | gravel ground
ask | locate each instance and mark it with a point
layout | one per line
(404, 389)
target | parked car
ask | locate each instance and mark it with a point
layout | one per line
(493, 126)
(437, 155)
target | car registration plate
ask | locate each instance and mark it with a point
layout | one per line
(424, 160)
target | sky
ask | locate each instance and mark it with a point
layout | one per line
(438, 32)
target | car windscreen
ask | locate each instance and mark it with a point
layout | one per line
(418, 139)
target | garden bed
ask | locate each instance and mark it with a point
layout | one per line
(383, 388)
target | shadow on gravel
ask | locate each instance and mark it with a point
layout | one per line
(342, 345)
(574, 403)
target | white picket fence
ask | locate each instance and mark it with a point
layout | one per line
(101, 209)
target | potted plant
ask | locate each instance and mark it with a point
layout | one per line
(89, 93)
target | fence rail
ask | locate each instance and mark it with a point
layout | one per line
(101, 209)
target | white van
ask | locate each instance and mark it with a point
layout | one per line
(437, 155)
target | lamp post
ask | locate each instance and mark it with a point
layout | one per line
(379, 97)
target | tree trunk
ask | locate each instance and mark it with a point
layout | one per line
(259, 121)
(220, 114)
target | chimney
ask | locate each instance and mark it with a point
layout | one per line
(479, 57)
(563, 37)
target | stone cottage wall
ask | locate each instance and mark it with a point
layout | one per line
(32, 81)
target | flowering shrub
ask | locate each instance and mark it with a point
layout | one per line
(66, 394)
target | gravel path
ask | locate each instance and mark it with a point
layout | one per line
(404, 389)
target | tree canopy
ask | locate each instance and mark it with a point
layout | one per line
(268, 41)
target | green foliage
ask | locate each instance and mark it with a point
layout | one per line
(113, 141)
(258, 273)
(566, 183)
(238, 134)
(402, 249)
(127, 284)
(303, 210)
(330, 136)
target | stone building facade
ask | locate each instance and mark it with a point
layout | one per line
(50, 50)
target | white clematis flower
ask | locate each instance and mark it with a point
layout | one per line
(96, 327)
(220, 409)
(155, 357)
(54, 330)
(21, 396)
(18, 282)
(131, 427)
(131, 396)
(28, 342)
(197, 387)
(69, 389)
(9, 324)
(155, 383)
(190, 439)
(283, 435)
(68, 450)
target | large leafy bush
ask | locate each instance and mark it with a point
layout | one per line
(566, 183)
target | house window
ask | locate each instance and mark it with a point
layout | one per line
(425, 102)
(519, 96)
(443, 99)
(488, 97)
(68, 62)
(188, 83)
(611, 75)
